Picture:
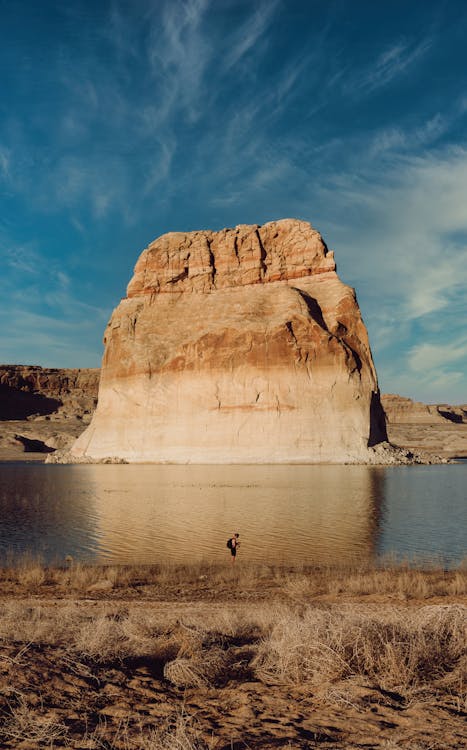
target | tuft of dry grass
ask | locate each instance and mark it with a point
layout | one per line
(182, 735)
(205, 668)
(30, 572)
(397, 650)
(457, 585)
(100, 639)
(23, 723)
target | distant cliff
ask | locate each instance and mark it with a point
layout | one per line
(436, 428)
(401, 410)
(42, 409)
(28, 390)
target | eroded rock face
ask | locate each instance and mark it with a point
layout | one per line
(236, 346)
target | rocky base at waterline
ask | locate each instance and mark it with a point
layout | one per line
(387, 454)
(383, 454)
(65, 457)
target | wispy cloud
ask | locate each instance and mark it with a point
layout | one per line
(178, 53)
(72, 342)
(429, 356)
(438, 285)
(434, 386)
(249, 33)
(4, 163)
(398, 140)
(408, 260)
(391, 63)
(31, 278)
(22, 259)
(158, 170)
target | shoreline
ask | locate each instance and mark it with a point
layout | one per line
(394, 457)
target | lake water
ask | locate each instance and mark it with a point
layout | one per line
(285, 514)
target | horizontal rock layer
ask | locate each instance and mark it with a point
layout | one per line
(401, 410)
(236, 346)
(205, 261)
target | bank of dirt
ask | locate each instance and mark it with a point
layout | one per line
(212, 657)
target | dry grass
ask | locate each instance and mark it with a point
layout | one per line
(30, 572)
(400, 581)
(305, 632)
(24, 725)
(21, 724)
(396, 650)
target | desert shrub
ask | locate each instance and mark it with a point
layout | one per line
(101, 638)
(207, 668)
(395, 649)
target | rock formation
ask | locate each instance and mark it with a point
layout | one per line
(238, 346)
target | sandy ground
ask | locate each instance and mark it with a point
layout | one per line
(92, 699)
(32, 439)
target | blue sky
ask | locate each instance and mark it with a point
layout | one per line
(123, 120)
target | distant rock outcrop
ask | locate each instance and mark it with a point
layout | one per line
(401, 410)
(44, 409)
(236, 346)
(432, 428)
(29, 390)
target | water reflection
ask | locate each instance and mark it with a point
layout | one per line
(424, 514)
(46, 512)
(285, 514)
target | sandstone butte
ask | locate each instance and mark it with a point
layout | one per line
(237, 346)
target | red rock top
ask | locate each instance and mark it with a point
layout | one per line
(248, 254)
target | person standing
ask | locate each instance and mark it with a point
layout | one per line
(233, 544)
